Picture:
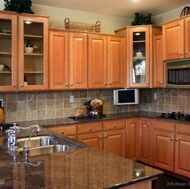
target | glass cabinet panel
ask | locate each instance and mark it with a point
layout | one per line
(139, 60)
(33, 52)
(8, 78)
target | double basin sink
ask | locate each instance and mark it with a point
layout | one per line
(40, 145)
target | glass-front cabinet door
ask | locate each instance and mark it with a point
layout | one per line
(8, 51)
(33, 52)
(139, 57)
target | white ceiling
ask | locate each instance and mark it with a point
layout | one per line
(121, 8)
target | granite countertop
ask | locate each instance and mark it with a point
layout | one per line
(85, 167)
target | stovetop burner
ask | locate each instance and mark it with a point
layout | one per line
(176, 116)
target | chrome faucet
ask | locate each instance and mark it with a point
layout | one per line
(12, 139)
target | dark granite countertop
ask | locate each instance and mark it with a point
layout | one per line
(85, 167)
(66, 121)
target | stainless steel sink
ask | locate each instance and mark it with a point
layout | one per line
(44, 150)
(36, 141)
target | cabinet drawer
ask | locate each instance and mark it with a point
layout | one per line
(164, 125)
(64, 130)
(183, 128)
(114, 124)
(89, 127)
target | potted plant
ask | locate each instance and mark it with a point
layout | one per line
(19, 6)
(141, 19)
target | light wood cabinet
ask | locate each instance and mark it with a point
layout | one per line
(68, 60)
(144, 152)
(65, 130)
(182, 150)
(163, 145)
(114, 136)
(158, 64)
(31, 71)
(132, 133)
(176, 39)
(106, 61)
(140, 54)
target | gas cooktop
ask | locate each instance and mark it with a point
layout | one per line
(176, 116)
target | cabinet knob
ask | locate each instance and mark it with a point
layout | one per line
(105, 84)
(148, 125)
(67, 85)
(171, 138)
(109, 84)
(106, 136)
(90, 129)
(181, 53)
(100, 137)
(161, 83)
(147, 82)
(71, 84)
(14, 85)
(115, 126)
(62, 132)
(176, 139)
(22, 85)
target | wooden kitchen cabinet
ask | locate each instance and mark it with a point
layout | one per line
(144, 144)
(91, 134)
(158, 64)
(182, 150)
(33, 67)
(132, 133)
(65, 130)
(68, 60)
(163, 145)
(176, 39)
(106, 61)
(8, 55)
(140, 54)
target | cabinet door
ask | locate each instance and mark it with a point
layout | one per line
(187, 37)
(163, 149)
(173, 40)
(33, 67)
(158, 64)
(8, 51)
(78, 61)
(144, 141)
(182, 154)
(139, 56)
(92, 139)
(114, 142)
(97, 70)
(116, 62)
(59, 59)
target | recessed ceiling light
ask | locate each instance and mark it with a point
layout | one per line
(28, 22)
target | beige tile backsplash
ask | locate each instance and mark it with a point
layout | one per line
(46, 105)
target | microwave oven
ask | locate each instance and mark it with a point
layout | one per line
(126, 96)
(178, 74)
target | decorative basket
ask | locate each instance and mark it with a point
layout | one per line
(185, 11)
(79, 26)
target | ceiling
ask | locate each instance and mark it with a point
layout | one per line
(121, 8)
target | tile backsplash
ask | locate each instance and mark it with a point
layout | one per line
(27, 106)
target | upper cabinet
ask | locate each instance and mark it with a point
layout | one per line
(8, 55)
(106, 61)
(68, 60)
(140, 54)
(23, 70)
(33, 66)
(158, 65)
(176, 39)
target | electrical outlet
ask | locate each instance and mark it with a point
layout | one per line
(1, 100)
(72, 99)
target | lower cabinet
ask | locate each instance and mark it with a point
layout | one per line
(144, 148)
(182, 150)
(163, 145)
(132, 133)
